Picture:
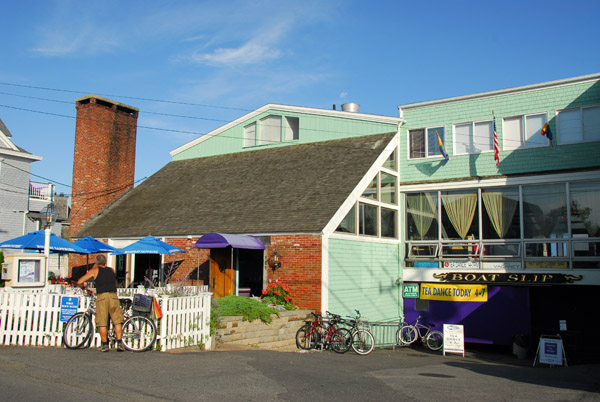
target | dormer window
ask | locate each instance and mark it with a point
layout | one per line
(272, 129)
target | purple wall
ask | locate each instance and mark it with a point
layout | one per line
(506, 313)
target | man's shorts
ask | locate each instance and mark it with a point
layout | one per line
(108, 304)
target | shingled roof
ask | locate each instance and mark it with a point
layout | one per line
(294, 188)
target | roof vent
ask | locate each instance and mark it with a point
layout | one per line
(351, 107)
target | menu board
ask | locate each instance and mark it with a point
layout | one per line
(454, 339)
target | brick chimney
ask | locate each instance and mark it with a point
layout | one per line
(104, 160)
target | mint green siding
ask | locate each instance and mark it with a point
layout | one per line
(312, 128)
(362, 276)
(547, 100)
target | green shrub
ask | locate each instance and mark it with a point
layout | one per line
(249, 309)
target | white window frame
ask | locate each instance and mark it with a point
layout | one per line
(250, 141)
(524, 139)
(426, 142)
(473, 124)
(581, 129)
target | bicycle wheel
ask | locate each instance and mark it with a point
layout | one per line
(341, 340)
(139, 334)
(407, 334)
(77, 331)
(363, 342)
(434, 340)
(305, 338)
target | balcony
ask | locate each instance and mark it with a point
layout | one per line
(40, 191)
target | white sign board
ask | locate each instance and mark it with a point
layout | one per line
(454, 339)
(550, 351)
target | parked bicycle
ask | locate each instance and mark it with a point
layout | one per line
(139, 332)
(324, 334)
(407, 334)
(363, 341)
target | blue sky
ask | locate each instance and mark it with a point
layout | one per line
(210, 62)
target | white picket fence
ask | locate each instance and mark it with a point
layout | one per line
(33, 318)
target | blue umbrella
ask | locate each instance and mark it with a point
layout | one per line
(36, 241)
(93, 246)
(149, 245)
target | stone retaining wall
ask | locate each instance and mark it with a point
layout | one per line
(279, 334)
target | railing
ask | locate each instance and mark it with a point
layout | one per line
(40, 191)
(33, 319)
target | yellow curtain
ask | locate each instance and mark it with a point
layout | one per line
(500, 210)
(460, 209)
(422, 209)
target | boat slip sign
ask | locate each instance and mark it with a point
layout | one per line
(454, 339)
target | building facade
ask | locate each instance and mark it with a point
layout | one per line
(505, 245)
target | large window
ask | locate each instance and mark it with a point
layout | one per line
(272, 129)
(579, 125)
(377, 214)
(473, 138)
(424, 142)
(524, 131)
(535, 226)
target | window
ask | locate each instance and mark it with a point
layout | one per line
(524, 131)
(544, 211)
(388, 223)
(391, 162)
(421, 218)
(459, 215)
(473, 138)
(371, 191)
(424, 142)
(501, 217)
(250, 135)
(272, 129)
(388, 188)
(348, 224)
(579, 125)
(367, 219)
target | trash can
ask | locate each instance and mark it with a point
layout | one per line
(520, 346)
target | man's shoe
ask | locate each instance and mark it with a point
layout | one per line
(104, 347)
(120, 346)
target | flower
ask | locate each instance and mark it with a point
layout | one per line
(277, 293)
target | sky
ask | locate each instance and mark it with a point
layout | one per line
(193, 66)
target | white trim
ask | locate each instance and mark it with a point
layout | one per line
(324, 273)
(289, 109)
(525, 88)
(504, 181)
(356, 194)
(20, 154)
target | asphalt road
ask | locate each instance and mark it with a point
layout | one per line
(49, 374)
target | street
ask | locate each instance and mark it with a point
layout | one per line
(36, 374)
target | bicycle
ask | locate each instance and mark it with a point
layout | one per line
(139, 332)
(324, 333)
(407, 334)
(363, 341)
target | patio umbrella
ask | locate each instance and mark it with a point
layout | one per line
(149, 245)
(93, 246)
(35, 241)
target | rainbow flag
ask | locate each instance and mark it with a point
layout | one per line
(546, 131)
(157, 310)
(442, 150)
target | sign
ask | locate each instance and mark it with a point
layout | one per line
(461, 264)
(68, 307)
(454, 339)
(410, 290)
(562, 324)
(489, 277)
(449, 292)
(509, 266)
(550, 351)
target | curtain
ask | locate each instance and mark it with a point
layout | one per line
(422, 209)
(460, 209)
(500, 210)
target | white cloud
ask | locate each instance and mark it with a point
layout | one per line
(343, 95)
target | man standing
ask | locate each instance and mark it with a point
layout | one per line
(107, 302)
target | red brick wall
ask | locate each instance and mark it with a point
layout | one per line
(104, 159)
(300, 267)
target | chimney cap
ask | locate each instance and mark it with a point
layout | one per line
(83, 99)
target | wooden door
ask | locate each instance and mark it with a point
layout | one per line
(222, 276)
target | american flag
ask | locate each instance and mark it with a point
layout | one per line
(496, 147)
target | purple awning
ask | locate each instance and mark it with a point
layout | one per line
(222, 240)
